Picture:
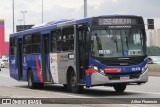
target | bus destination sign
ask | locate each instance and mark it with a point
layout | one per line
(116, 21)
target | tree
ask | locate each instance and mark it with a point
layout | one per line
(153, 51)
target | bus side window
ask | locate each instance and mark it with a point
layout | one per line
(56, 40)
(68, 39)
(36, 38)
(27, 44)
(13, 44)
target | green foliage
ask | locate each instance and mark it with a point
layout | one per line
(153, 51)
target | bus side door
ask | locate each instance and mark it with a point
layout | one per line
(19, 57)
(45, 58)
(82, 51)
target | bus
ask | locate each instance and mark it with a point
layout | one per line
(107, 50)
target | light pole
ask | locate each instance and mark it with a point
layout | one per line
(20, 20)
(23, 12)
(42, 11)
(85, 8)
(13, 13)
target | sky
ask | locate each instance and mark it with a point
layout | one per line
(73, 9)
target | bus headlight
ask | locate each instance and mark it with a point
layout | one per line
(95, 68)
(101, 71)
(144, 68)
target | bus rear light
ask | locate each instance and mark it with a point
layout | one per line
(113, 70)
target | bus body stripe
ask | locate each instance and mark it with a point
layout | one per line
(38, 71)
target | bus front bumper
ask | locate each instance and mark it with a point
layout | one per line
(99, 79)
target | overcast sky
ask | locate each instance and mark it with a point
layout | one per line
(73, 9)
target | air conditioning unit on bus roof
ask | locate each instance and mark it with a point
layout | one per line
(58, 21)
(39, 25)
(52, 23)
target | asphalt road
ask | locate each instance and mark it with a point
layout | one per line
(11, 88)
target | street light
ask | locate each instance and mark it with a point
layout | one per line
(42, 11)
(13, 13)
(20, 20)
(85, 8)
(23, 12)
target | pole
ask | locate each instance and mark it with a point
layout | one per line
(23, 12)
(85, 8)
(13, 14)
(20, 20)
(42, 11)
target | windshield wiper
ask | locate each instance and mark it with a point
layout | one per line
(127, 42)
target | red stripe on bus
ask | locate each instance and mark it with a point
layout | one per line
(111, 70)
(90, 70)
(39, 71)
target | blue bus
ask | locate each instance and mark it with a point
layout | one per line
(105, 50)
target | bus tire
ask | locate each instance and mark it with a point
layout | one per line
(39, 85)
(30, 79)
(74, 87)
(65, 86)
(120, 87)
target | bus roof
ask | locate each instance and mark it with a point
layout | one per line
(61, 23)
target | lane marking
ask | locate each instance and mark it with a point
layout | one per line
(4, 76)
(111, 89)
(43, 91)
(143, 92)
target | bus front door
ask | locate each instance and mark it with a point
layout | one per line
(19, 58)
(45, 58)
(82, 59)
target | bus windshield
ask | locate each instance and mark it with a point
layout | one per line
(117, 42)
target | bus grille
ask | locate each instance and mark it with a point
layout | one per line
(117, 77)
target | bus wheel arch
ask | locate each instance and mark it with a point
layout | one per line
(28, 70)
(30, 78)
(69, 71)
(72, 81)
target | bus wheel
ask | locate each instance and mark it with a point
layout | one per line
(75, 88)
(120, 87)
(39, 85)
(65, 86)
(30, 78)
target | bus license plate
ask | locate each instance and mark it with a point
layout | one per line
(124, 78)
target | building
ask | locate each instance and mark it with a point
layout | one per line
(153, 37)
(1, 37)
(23, 27)
(4, 46)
